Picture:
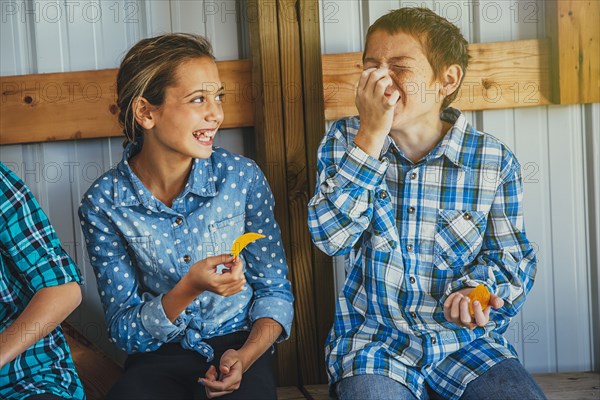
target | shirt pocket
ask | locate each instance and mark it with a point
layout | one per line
(224, 232)
(458, 237)
(143, 251)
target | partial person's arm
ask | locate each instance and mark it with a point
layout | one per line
(346, 193)
(46, 310)
(30, 246)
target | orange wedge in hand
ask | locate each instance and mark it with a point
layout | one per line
(482, 295)
(243, 241)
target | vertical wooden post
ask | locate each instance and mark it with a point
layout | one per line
(285, 45)
(297, 196)
(314, 117)
(270, 144)
(573, 28)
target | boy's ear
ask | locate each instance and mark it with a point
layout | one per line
(142, 111)
(451, 79)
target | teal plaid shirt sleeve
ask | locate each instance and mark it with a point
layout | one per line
(342, 207)
(31, 258)
(29, 239)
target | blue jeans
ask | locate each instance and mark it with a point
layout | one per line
(505, 380)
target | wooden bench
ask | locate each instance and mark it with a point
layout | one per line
(98, 373)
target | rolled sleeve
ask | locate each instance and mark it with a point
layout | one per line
(278, 309)
(29, 239)
(53, 269)
(359, 168)
(157, 324)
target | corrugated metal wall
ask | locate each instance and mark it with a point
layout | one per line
(558, 146)
(554, 330)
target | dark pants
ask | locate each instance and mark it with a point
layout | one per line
(172, 373)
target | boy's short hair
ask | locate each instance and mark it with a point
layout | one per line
(442, 42)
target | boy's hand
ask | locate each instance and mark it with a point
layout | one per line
(231, 370)
(376, 99)
(203, 275)
(456, 309)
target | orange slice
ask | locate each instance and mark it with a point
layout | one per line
(243, 241)
(481, 294)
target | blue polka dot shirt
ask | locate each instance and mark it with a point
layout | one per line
(140, 248)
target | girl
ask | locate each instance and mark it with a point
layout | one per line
(155, 223)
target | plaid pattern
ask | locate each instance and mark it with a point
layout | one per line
(31, 258)
(413, 234)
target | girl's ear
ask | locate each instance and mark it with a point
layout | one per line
(451, 80)
(142, 111)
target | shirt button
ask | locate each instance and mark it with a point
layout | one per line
(412, 279)
(178, 221)
(409, 247)
(411, 210)
(413, 314)
(383, 195)
(467, 216)
(413, 175)
(187, 258)
(433, 340)
(188, 312)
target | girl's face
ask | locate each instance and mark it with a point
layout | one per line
(187, 121)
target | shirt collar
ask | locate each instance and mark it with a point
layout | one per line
(201, 181)
(456, 143)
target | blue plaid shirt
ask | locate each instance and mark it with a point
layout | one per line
(414, 233)
(140, 248)
(31, 258)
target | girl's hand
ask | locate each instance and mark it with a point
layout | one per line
(203, 275)
(231, 369)
(456, 309)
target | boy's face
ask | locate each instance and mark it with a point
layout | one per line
(412, 75)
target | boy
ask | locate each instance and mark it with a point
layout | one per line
(39, 288)
(426, 208)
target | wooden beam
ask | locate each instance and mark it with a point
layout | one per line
(500, 75)
(82, 105)
(314, 122)
(573, 28)
(298, 191)
(270, 145)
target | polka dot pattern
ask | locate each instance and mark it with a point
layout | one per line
(138, 248)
